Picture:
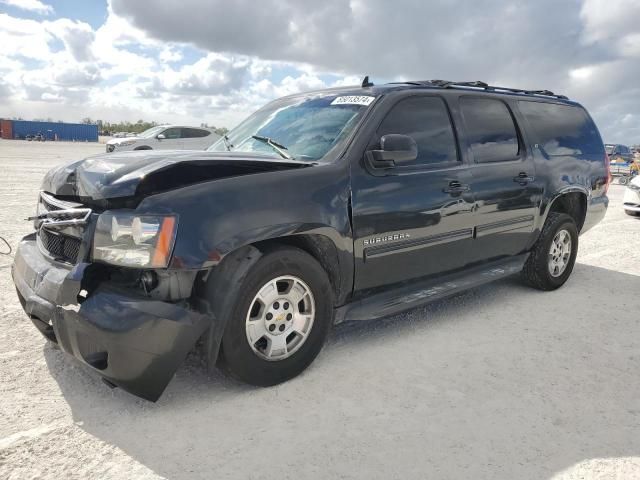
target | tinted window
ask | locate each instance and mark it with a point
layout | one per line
(491, 132)
(426, 120)
(194, 133)
(561, 129)
(172, 133)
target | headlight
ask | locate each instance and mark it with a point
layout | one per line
(128, 240)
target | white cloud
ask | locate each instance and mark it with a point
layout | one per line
(208, 67)
(30, 5)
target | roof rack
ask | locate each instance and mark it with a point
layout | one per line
(483, 86)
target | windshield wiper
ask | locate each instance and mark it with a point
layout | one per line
(275, 145)
(227, 143)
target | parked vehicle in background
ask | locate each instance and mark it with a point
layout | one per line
(618, 153)
(29, 138)
(631, 201)
(166, 137)
(343, 204)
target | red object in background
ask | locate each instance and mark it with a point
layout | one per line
(7, 129)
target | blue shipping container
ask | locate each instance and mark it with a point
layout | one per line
(75, 132)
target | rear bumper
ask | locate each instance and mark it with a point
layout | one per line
(132, 341)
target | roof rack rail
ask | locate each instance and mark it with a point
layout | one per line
(482, 85)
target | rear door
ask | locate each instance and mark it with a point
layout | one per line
(414, 220)
(502, 178)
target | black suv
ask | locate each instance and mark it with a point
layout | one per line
(343, 204)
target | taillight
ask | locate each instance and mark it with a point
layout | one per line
(607, 164)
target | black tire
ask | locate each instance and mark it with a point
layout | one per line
(237, 357)
(631, 213)
(536, 270)
(144, 147)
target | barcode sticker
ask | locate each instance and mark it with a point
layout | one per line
(354, 100)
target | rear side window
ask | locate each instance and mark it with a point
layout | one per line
(426, 120)
(561, 129)
(194, 133)
(491, 132)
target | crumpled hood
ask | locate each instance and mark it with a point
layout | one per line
(141, 173)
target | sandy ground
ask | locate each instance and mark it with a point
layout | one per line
(503, 382)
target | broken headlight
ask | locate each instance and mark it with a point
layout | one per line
(128, 240)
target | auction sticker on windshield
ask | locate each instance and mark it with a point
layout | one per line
(353, 100)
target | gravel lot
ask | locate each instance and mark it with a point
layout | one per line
(502, 382)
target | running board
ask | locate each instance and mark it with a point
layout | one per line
(412, 295)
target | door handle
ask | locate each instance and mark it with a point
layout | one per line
(523, 178)
(456, 187)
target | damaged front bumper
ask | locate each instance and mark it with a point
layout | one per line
(133, 341)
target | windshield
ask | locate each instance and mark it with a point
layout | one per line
(151, 132)
(609, 149)
(302, 127)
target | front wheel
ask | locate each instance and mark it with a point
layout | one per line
(551, 261)
(280, 319)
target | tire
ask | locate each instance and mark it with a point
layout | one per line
(537, 271)
(143, 148)
(250, 364)
(623, 180)
(631, 213)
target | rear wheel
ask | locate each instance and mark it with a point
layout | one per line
(280, 320)
(551, 261)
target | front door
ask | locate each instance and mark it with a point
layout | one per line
(502, 179)
(172, 139)
(413, 220)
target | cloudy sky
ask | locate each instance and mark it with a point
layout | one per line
(216, 61)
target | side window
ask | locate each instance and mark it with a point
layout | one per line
(563, 129)
(491, 132)
(426, 120)
(172, 133)
(194, 133)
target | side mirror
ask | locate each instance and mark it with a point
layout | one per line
(161, 136)
(395, 149)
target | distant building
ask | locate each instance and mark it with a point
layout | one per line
(71, 132)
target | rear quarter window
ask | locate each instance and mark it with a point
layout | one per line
(561, 129)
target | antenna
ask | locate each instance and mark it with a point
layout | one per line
(366, 83)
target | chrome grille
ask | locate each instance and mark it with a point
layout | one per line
(55, 220)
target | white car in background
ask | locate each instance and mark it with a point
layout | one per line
(632, 197)
(166, 137)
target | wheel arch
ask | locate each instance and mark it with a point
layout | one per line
(236, 265)
(323, 250)
(573, 202)
(143, 147)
